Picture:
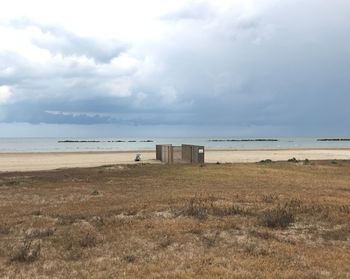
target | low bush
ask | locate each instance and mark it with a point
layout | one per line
(200, 208)
(267, 161)
(94, 193)
(227, 211)
(197, 209)
(276, 218)
(88, 240)
(269, 198)
(129, 258)
(27, 251)
(339, 234)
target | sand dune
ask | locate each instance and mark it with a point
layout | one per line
(48, 161)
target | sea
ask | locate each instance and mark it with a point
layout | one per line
(12, 145)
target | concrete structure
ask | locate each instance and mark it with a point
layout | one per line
(186, 153)
(164, 153)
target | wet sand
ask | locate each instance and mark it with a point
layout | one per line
(49, 161)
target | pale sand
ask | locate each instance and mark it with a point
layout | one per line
(49, 161)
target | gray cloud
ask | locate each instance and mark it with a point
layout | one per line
(282, 69)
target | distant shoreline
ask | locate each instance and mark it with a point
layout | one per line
(35, 161)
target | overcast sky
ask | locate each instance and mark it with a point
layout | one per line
(167, 68)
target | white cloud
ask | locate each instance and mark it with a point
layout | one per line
(5, 94)
(125, 62)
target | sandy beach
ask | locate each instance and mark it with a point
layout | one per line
(49, 161)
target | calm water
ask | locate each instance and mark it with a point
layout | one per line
(53, 144)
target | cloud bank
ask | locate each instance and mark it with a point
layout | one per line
(254, 67)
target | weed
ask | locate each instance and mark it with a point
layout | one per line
(267, 161)
(270, 198)
(254, 249)
(276, 218)
(260, 234)
(200, 208)
(165, 242)
(4, 229)
(210, 240)
(26, 251)
(88, 240)
(73, 254)
(227, 211)
(195, 231)
(339, 234)
(94, 193)
(97, 221)
(13, 182)
(131, 212)
(130, 258)
(197, 209)
(39, 233)
(36, 212)
(294, 204)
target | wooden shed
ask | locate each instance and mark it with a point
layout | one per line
(186, 153)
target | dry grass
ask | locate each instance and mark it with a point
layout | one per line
(271, 220)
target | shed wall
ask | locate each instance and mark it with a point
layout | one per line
(177, 154)
(187, 153)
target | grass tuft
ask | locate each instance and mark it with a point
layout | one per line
(94, 193)
(276, 218)
(27, 251)
(88, 240)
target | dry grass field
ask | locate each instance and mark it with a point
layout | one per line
(260, 220)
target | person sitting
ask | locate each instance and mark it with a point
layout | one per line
(138, 157)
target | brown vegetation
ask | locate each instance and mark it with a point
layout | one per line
(275, 220)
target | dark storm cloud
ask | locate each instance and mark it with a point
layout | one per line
(92, 111)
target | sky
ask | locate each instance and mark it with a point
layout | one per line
(174, 68)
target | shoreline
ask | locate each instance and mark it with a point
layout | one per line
(207, 149)
(37, 161)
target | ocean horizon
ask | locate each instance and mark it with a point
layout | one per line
(84, 144)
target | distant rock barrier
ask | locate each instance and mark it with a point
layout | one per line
(96, 141)
(73, 141)
(241, 140)
(333, 139)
